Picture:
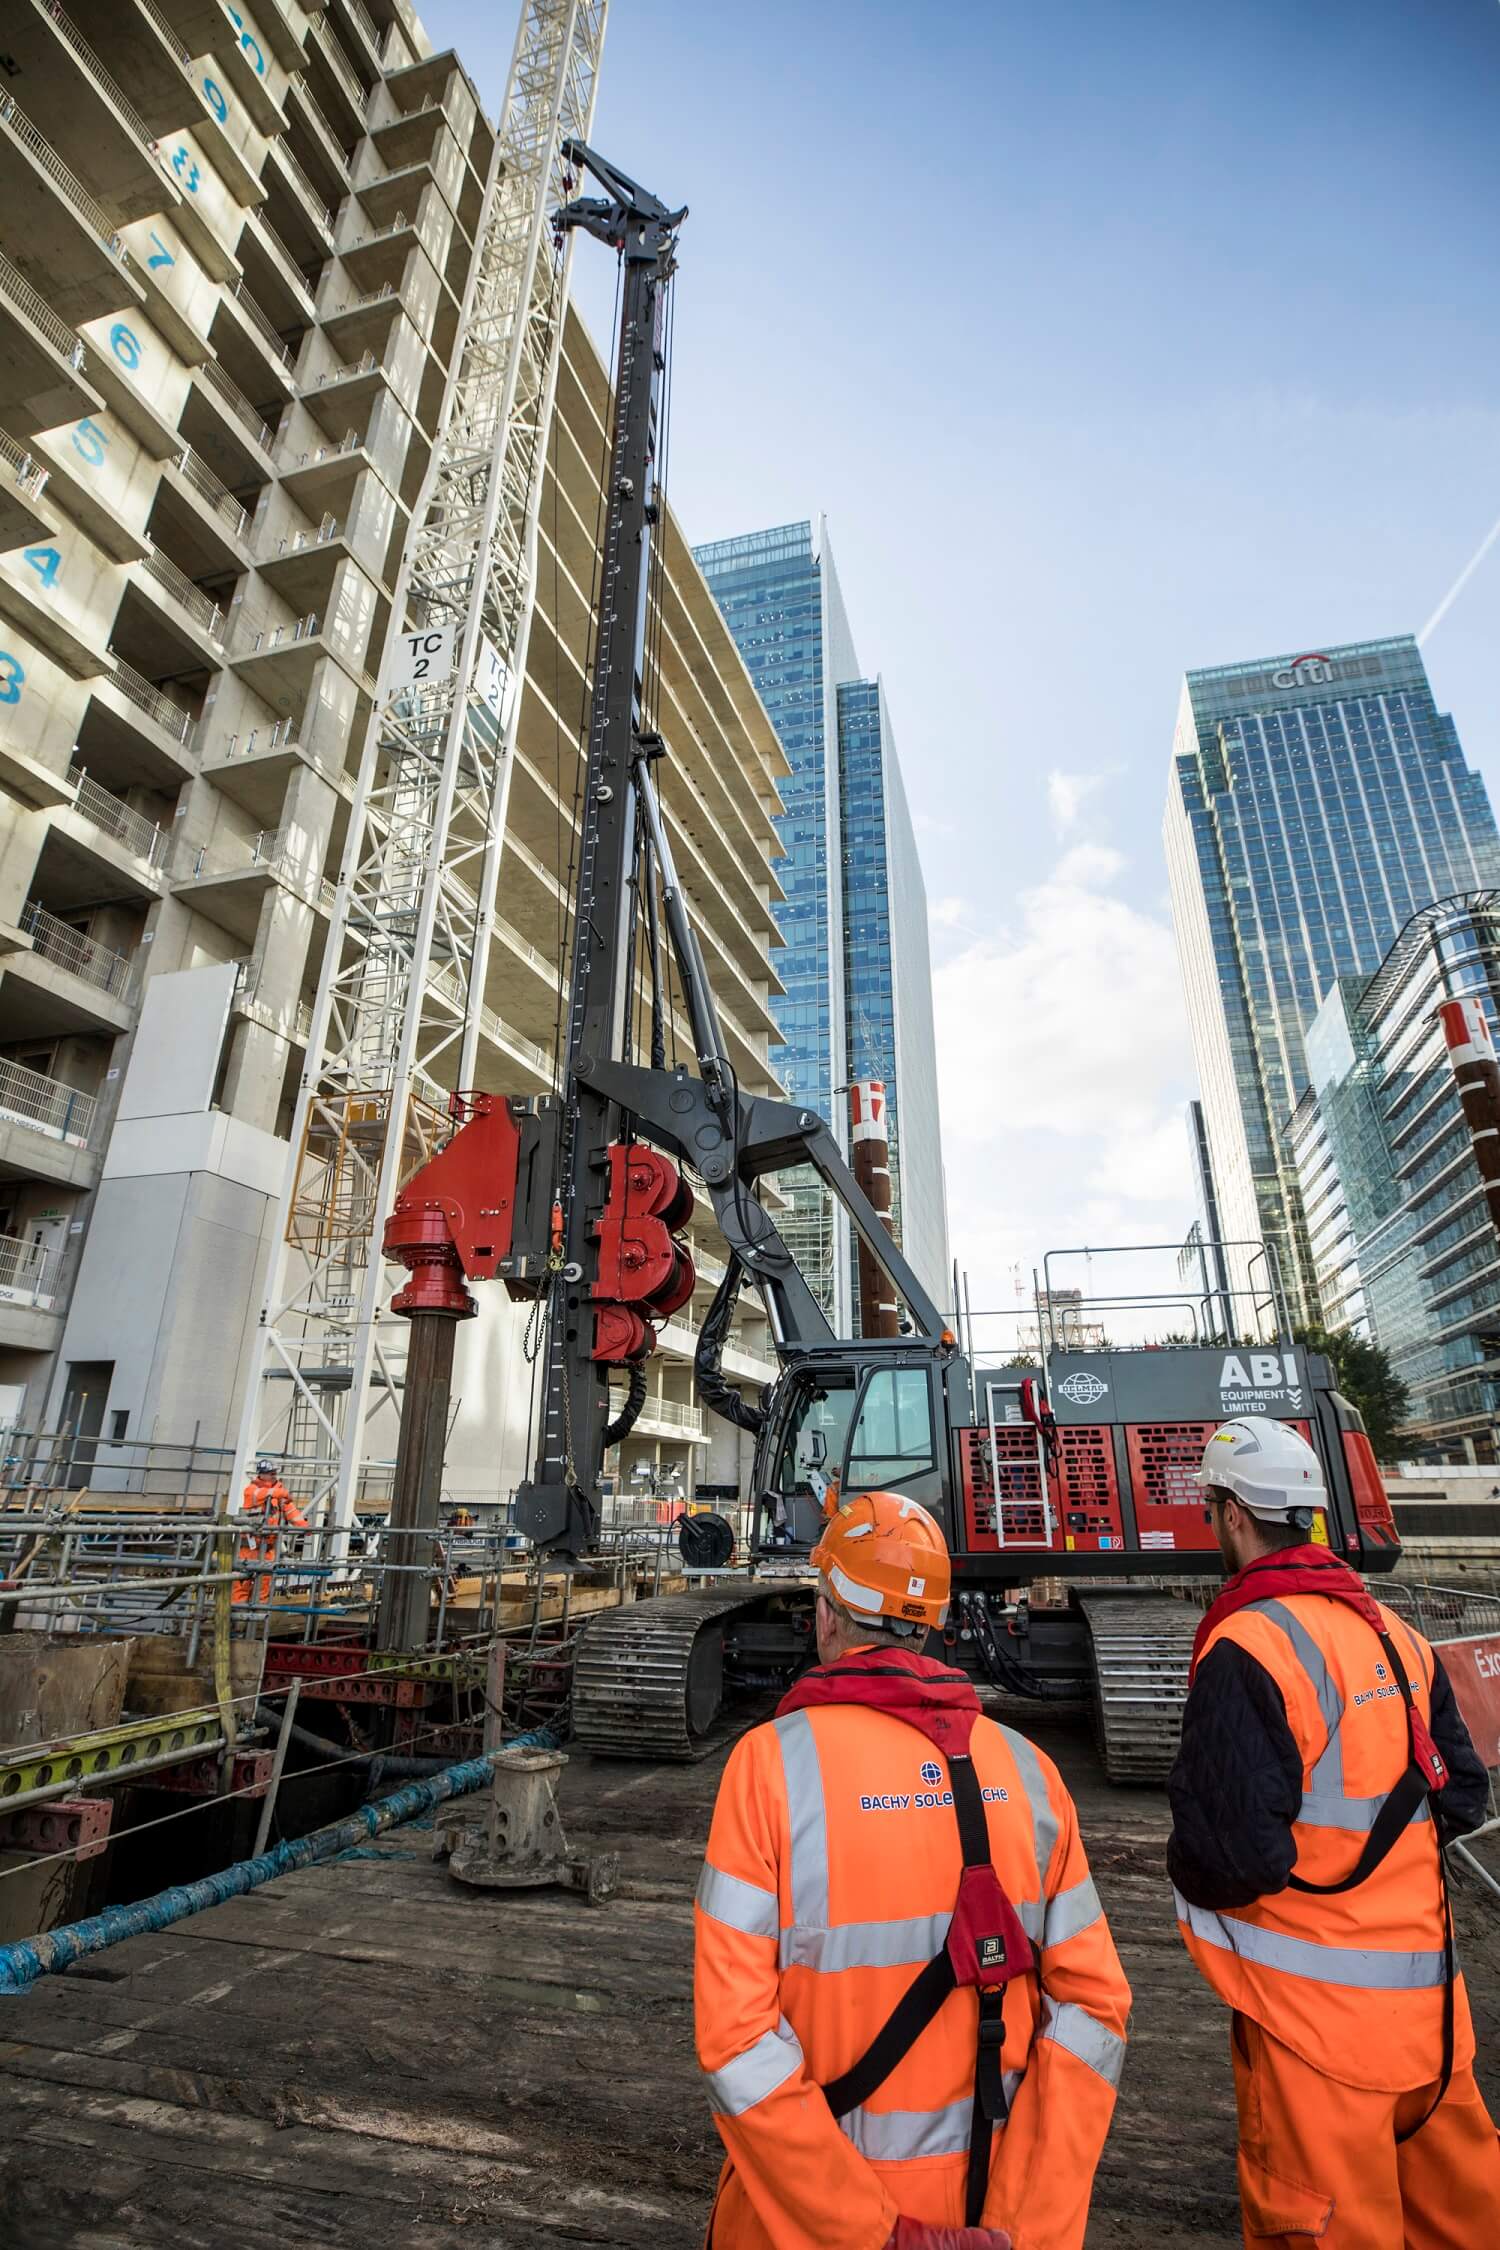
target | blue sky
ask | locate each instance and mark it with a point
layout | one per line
(1111, 341)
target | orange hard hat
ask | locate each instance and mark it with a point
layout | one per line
(884, 1556)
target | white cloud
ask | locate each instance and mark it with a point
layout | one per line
(949, 913)
(1087, 867)
(1067, 794)
(1064, 1068)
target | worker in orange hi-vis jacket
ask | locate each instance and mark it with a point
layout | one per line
(909, 2007)
(1324, 1765)
(266, 1509)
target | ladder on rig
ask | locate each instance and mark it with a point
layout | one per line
(399, 1009)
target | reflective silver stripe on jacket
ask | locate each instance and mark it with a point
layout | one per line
(1365, 1969)
(739, 1905)
(1357, 1814)
(1043, 1818)
(1324, 1803)
(899, 2136)
(807, 1818)
(1328, 1773)
(747, 2078)
(1071, 1913)
(896, 2136)
(908, 1940)
(1084, 2036)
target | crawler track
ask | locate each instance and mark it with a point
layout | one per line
(648, 1679)
(1141, 1646)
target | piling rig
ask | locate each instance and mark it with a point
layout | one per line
(1074, 1472)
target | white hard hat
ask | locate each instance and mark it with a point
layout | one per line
(1268, 1466)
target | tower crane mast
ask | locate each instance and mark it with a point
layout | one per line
(400, 1004)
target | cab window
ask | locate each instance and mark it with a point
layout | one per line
(892, 1439)
(815, 1433)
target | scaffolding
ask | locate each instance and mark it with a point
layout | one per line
(397, 1021)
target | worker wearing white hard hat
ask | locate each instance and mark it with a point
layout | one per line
(1323, 1764)
(1271, 1471)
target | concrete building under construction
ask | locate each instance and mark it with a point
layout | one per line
(239, 263)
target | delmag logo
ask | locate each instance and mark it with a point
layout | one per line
(1083, 1388)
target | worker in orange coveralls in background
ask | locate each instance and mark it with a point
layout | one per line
(1324, 1763)
(266, 1510)
(909, 2007)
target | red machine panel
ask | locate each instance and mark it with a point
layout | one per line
(1165, 1457)
(1372, 1507)
(1086, 1493)
(1082, 1490)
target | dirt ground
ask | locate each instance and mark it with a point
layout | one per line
(367, 2055)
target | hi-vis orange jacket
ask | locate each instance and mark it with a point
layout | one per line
(267, 1508)
(832, 1870)
(1352, 1981)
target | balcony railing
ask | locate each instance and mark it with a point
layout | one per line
(247, 994)
(369, 297)
(672, 1415)
(97, 71)
(52, 164)
(350, 442)
(186, 595)
(37, 310)
(28, 1273)
(361, 15)
(29, 1097)
(184, 59)
(168, 715)
(325, 211)
(58, 942)
(405, 116)
(282, 251)
(339, 63)
(200, 476)
(260, 320)
(336, 139)
(255, 635)
(271, 850)
(318, 737)
(343, 374)
(146, 839)
(299, 542)
(234, 398)
(28, 474)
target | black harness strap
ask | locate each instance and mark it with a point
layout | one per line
(922, 1999)
(902, 2028)
(1390, 1822)
(1393, 1816)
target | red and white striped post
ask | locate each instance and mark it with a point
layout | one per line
(879, 1314)
(1471, 1051)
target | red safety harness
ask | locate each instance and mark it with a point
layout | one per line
(1313, 1570)
(986, 1946)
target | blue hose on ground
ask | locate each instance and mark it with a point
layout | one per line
(22, 1963)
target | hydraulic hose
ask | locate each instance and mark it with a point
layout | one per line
(630, 1413)
(22, 1963)
(721, 1397)
(1003, 1670)
(395, 1762)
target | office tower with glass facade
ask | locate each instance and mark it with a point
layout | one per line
(1404, 1242)
(858, 999)
(888, 1027)
(1315, 804)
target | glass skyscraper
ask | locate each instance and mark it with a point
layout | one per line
(1404, 1245)
(1315, 803)
(858, 1000)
